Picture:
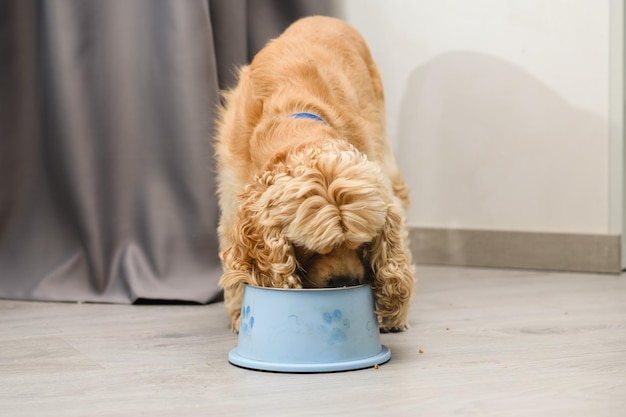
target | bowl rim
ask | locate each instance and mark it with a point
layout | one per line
(350, 287)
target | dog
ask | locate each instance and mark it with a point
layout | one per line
(309, 191)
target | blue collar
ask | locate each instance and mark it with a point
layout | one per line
(311, 116)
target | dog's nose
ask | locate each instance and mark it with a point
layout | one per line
(343, 282)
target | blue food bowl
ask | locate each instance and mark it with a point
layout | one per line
(308, 330)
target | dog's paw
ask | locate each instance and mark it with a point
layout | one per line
(389, 326)
(393, 329)
(234, 324)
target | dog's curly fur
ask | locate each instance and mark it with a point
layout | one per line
(305, 202)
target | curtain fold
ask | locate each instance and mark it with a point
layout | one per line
(107, 190)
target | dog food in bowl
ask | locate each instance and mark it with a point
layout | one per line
(308, 330)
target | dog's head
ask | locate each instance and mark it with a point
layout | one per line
(319, 216)
(333, 203)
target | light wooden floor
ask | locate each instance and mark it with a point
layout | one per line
(494, 343)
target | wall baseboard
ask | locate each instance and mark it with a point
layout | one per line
(525, 250)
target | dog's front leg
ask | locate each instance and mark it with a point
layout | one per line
(392, 299)
(233, 282)
(232, 302)
(393, 273)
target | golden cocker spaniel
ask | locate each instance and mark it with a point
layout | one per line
(309, 190)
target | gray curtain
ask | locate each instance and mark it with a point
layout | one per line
(106, 166)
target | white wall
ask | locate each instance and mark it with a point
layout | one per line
(498, 111)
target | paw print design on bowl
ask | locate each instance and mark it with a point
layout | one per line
(246, 322)
(334, 327)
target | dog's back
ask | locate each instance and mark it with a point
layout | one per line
(328, 52)
(324, 64)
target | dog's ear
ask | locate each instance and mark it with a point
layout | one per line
(391, 264)
(259, 254)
